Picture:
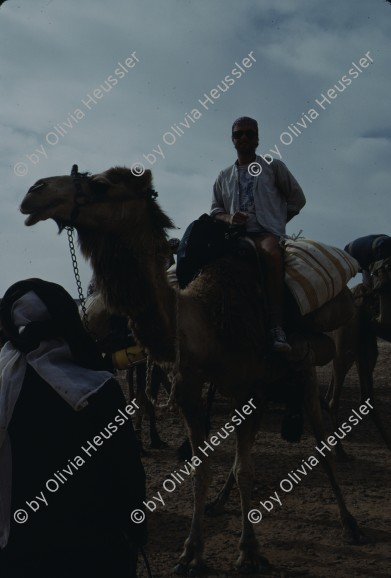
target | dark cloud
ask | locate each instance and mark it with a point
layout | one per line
(381, 133)
(50, 62)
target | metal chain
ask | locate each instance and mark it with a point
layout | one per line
(75, 266)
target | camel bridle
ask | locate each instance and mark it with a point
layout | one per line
(83, 196)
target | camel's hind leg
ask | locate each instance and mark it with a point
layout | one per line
(355, 342)
(346, 353)
(351, 531)
(365, 363)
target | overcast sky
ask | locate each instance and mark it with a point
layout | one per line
(54, 53)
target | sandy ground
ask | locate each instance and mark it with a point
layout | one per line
(301, 538)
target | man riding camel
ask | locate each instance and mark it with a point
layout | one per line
(262, 198)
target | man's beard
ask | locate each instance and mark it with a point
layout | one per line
(246, 148)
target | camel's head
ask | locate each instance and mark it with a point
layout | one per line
(82, 200)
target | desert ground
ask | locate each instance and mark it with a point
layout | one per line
(302, 537)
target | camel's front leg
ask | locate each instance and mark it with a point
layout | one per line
(191, 558)
(249, 559)
(351, 531)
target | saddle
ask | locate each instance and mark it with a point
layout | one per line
(206, 240)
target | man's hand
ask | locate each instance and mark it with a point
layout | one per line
(238, 218)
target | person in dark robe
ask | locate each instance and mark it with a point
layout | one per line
(70, 471)
(367, 250)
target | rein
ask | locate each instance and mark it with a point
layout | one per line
(80, 198)
(76, 273)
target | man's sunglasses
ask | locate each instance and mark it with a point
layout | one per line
(249, 134)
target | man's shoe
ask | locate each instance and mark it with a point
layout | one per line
(279, 342)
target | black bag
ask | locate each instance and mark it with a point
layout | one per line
(203, 242)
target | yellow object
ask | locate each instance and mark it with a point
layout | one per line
(123, 358)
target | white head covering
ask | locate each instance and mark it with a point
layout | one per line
(53, 361)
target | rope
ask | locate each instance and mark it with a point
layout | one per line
(295, 237)
(146, 562)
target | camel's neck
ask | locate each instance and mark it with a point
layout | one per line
(132, 279)
(154, 321)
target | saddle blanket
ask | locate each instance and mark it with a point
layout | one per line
(315, 273)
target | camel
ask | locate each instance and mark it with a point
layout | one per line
(212, 331)
(356, 342)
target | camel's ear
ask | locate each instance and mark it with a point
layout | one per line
(100, 183)
(101, 178)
